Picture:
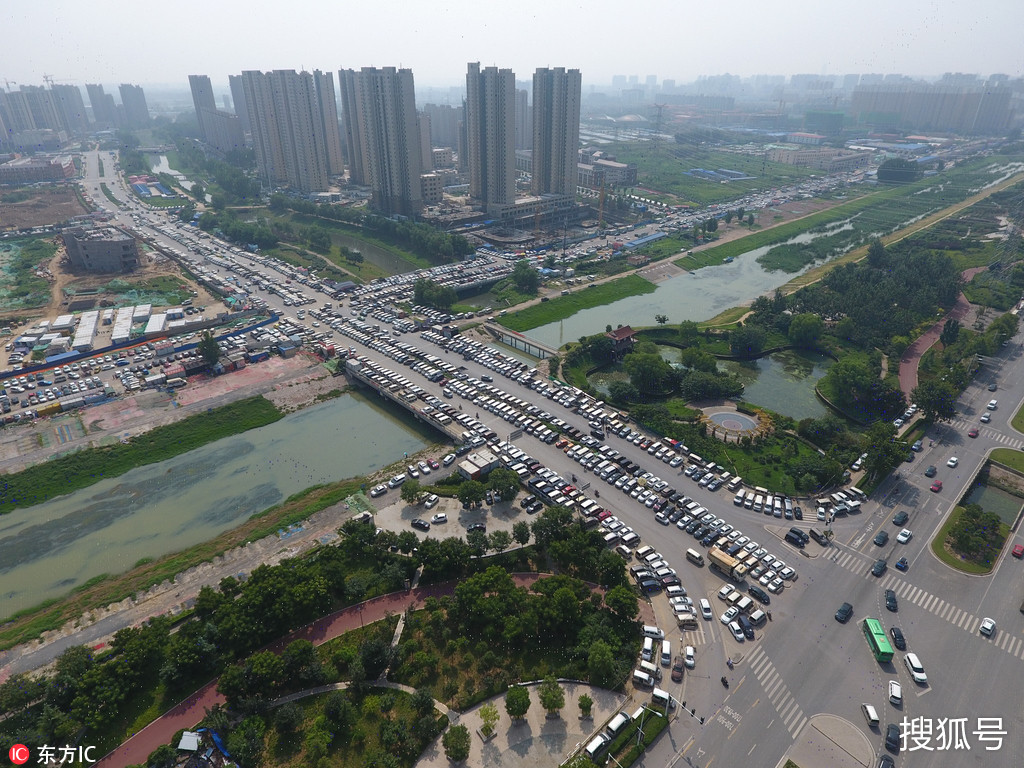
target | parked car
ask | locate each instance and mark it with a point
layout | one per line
(421, 524)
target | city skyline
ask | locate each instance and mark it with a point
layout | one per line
(670, 41)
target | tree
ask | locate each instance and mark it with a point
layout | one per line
(883, 449)
(728, 217)
(750, 219)
(747, 341)
(936, 399)
(456, 743)
(489, 718)
(504, 482)
(521, 532)
(689, 332)
(288, 717)
(517, 702)
(552, 695)
(586, 705)
(471, 492)
(477, 541)
(876, 254)
(661, 319)
(805, 329)
(601, 666)
(245, 743)
(950, 332)
(525, 278)
(623, 602)
(164, 756)
(208, 348)
(623, 392)
(649, 373)
(499, 541)
(411, 491)
(898, 170)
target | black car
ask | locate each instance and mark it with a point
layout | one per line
(650, 585)
(898, 639)
(692, 526)
(892, 737)
(884, 761)
(879, 567)
(844, 613)
(708, 540)
(881, 539)
(798, 513)
(477, 527)
(930, 472)
(422, 525)
(759, 594)
(900, 518)
(890, 601)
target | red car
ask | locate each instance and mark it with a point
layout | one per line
(1018, 551)
(937, 486)
(973, 433)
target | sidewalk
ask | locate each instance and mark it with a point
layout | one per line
(828, 741)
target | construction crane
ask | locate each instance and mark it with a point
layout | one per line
(48, 79)
(9, 83)
(657, 124)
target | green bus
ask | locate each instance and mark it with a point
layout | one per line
(877, 641)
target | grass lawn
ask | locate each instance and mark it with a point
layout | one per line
(1011, 458)
(562, 307)
(954, 560)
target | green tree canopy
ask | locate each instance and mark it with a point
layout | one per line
(208, 348)
(471, 492)
(525, 278)
(936, 399)
(898, 170)
(805, 330)
(747, 341)
(517, 701)
(649, 373)
(504, 482)
(456, 743)
(411, 491)
(551, 695)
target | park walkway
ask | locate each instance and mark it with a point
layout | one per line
(911, 359)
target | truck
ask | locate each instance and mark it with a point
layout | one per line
(729, 566)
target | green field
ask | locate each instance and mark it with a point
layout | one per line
(83, 468)
(21, 287)
(665, 168)
(562, 307)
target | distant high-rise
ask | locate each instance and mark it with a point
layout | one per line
(444, 124)
(556, 130)
(382, 133)
(104, 113)
(524, 124)
(490, 135)
(238, 97)
(72, 107)
(217, 128)
(286, 117)
(327, 104)
(136, 111)
(202, 100)
(426, 147)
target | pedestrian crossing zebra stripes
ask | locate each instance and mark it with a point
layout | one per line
(777, 691)
(988, 433)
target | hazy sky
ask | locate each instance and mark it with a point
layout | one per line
(113, 41)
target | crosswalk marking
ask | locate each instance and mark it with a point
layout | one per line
(777, 692)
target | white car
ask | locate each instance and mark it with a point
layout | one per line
(431, 501)
(953, 461)
(729, 615)
(895, 692)
(737, 633)
(916, 668)
(904, 536)
(680, 600)
(705, 609)
(448, 460)
(424, 467)
(688, 657)
(988, 627)
(440, 517)
(724, 592)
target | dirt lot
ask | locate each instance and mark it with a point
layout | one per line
(43, 208)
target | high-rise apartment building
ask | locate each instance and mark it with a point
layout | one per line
(490, 135)
(238, 97)
(72, 107)
(136, 111)
(524, 123)
(327, 104)
(217, 128)
(287, 120)
(444, 124)
(556, 130)
(382, 133)
(426, 147)
(104, 113)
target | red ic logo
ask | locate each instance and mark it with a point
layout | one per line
(19, 754)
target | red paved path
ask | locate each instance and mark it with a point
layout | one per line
(189, 712)
(912, 356)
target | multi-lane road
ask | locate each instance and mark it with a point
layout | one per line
(804, 662)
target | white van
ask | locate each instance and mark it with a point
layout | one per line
(695, 557)
(744, 604)
(666, 653)
(735, 483)
(647, 652)
(642, 679)
(870, 714)
(652, 632)
(758, 503)
(758, 617)
(596, 746)
(650, 669)
(740, 498)
(663, 699)
(617, 724)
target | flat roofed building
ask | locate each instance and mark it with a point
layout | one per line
(106, 249)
